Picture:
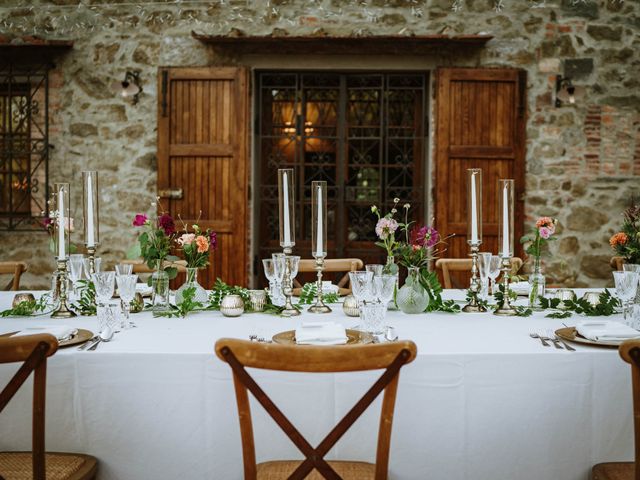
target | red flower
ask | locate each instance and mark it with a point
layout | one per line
(213, 240)
(139, 220)
(166, 223)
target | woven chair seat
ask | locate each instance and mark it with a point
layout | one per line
(60, 466)
(281, 469)
(613, 471)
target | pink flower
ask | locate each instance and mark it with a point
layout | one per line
(186, 239)
(547, 222)
(385, 227)
(139, 220)
(545, 232)
(424, 237)
(213, 240)
(202, 243)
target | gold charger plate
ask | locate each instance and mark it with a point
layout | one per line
(354, 337)
(80, 337)
(571, 334)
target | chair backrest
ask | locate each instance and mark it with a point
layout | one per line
(333, 265)
(13, 268)
(630, 353)
(616, 263)
(295, 358)
(32, 351)
(448, 265)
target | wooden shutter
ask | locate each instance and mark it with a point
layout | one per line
(202, 150)
(480, 117)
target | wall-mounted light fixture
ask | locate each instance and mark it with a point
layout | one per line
(129, 87)
(565, 91)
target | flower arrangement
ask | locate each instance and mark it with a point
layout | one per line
(156, 240)
(197, 245)
(386, 228)
(539, 236)
(626, 242)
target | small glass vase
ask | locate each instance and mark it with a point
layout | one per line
(412, 297)
(160, 291)
(390, 268)
(192, 281)
(536, 284)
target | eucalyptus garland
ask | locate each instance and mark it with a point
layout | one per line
(86, 304)
(310, 292)
(27, 308)
(565, 308)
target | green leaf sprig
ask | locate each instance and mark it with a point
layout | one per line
(86, 304)
(606, 307)
(476, 296)
(27, 308)
(499, 297)
(221, 289)
(187, 306)
(310, 292)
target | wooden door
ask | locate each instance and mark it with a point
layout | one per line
(480, 118)
(203, 159)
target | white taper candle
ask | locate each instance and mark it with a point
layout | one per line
(61, 223)
(319, 225)
(91, 241)
(505, 221)
(474, 210)
(285, 209)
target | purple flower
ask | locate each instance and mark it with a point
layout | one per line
(47, 222)
(166, 223)
(425, 237)
(545, 232)
(213, 240)
(139, 220)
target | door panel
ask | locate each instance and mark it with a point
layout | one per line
(480, 124)
(202, 150)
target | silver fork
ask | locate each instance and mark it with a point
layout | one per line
(555, 339)
(542, 339)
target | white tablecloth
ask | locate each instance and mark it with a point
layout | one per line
(482, 401)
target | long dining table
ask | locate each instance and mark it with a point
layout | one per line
(483, 400)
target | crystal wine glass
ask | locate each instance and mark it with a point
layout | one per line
(104, 283)
(494, 271)
(124, 269)
(626, 287)
(383, 287)
(75, 270)
(127, 291)
(484, 264)
(97, 262)
(271, 272)
(361, 283)
(294, 263)
(374, 268)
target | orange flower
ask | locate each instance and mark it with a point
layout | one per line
(619, 238)
(546, 222)
(202, 243)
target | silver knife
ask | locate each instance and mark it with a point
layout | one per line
(91, 341)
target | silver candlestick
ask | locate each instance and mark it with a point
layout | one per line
(473, 306)
(63, 310)
(319, 306)
(91, 253)
(506, 309)
(287, 285)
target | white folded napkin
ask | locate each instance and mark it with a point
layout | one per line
(328, 287)
(521, 288)
(600, 330)
(61, 332)
(321, 333)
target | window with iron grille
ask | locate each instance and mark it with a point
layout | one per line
(24, 145)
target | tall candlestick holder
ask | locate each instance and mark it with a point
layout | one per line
(506, 309)
(91, 253)
(63, 310)
(473, 306)
(319, 306)
(287, 285)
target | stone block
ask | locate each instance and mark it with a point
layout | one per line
(596, 266)
(549, 65)
(605, 32)
(580, 9)
(585, 219)
(578, 68)
(83, 129)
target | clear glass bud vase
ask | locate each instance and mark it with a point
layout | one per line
(200, 294)
(536, 284)
(160, 291)
(391, 268)
(412, 297)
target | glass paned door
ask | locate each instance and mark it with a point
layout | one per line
(364, 134)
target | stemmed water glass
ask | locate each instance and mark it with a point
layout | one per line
(484, 264)
(104, 284)
(383, 288)
(494, 271)
(75, 270)
(97, 261)
(273, 274)
(361, 286)
(124, 269)
(127, 291)
(626, 287)
(374, 268)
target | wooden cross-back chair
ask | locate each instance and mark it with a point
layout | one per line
(32, 351)
(448, 265)
(139, 266)
(331, 265)
(13, 268)
(240, 354)
(630, 353)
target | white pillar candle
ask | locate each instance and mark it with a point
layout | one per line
(91, 241)
(319, 226)
(474, 210)
(505, 221)
(61, 222)
(285, 209)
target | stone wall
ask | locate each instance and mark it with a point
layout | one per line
(583, 160)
